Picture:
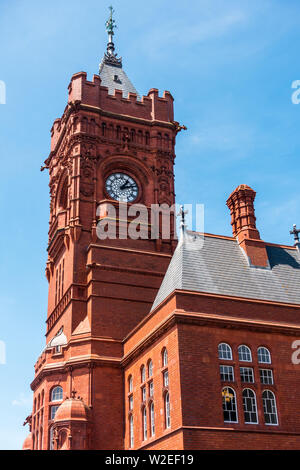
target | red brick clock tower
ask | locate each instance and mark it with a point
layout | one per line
(99, 290)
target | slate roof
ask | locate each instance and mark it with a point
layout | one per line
(217, 265)
(107, 74)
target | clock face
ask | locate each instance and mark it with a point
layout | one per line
(122, 187)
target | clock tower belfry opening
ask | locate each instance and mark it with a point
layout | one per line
(110, 145)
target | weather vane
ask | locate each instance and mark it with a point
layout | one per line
(110, 57)
(111, 24)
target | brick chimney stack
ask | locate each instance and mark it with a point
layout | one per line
(243, 221)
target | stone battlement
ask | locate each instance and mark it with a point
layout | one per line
(151, 107)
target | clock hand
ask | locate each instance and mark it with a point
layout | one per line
(125, 186)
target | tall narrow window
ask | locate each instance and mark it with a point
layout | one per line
(167, 410)
(130, 402)
(229, 405)
(244, 353)
(249, 404)
(130, 384)
(144, 424)
(150, 369)
(151, 388)
(152, 421)
(270, 410)
(143, 374)
(166, 378)
(131, 432)
(165, 357)
(225, 351)
(264, 356)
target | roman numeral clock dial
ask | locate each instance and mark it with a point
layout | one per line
(122, 187)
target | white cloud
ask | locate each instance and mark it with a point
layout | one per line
(23, 400)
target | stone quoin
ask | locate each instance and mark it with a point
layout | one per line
(156, 343)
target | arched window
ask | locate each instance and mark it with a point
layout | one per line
(57, 394)
(130, 384)
(225, 352)
(131, 432)
(143, 374)
(150, 369)
(118, 132)
(167, 411)
(264, 356)
(250, 408)
(270, 410)
(144, 423)
(244, 353)
(229, 405)
(147, 138)
(164, 357)
(152, 419)
(103, 126)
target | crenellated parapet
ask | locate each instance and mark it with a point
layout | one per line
(151, 107)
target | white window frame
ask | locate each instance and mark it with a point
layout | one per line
(251, 374)
(244, 351)
(263, 352)
(230, 411)
(224, 352)
(54, 392)
(229, 370)
(268, 376)
(253, 405)
(274, 406)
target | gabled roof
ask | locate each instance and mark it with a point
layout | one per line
(217, 265)
(114, 78)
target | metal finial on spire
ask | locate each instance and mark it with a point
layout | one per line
(110, 57)
(110, 26)
(182, 213)
(295, 232)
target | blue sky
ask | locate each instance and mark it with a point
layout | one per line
(229, 65)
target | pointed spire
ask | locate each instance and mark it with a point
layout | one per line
(110, 57)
